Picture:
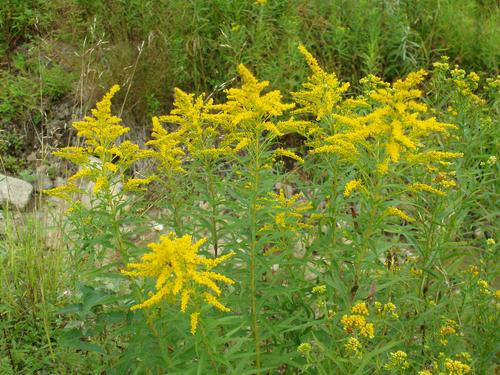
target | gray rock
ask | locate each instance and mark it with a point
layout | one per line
(14, 191)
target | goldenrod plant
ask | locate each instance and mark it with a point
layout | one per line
(349, 252)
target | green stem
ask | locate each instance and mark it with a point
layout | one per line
(253, 251)
(213, 204)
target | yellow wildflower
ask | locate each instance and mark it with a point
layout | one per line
(395, 122)
(102, 159)
(394, 211)
(290, 212)
(246, 107)
(321, 92)
(289, 154)
(484, 287)
(194, 321)
(448, 328)
(104, 128)
(178, 268)
(456, 367)
(304, 348)
(473, 270)
(64, 191)
(351, 186)
(417, 186)
(319, 289)
(397, 360)
(100, 183)
(388, 307)
(352, 346)
(430, 156)
(360, 308)
(358, 322)
(138, 183)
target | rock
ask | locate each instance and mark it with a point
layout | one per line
(14, 191)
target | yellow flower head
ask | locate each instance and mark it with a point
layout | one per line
(360, 308)
(102, 159)
(321, 92)
(247, 108)
(352, 186)
(394, 211)
(304, 348)
(319, 289)
(397, 360)
(103, 128)
(456, 367)
(352, 346)
(180, 271)
(355, 322)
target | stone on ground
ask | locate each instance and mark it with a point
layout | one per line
(14, 192)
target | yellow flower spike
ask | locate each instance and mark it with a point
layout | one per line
(138, 183)
(211, 300)
(322, 91)
(247, 107)
(180, 273)
(103, 128)
(77, 155)
(417, 186)
(391, 125)
(394, 211)
(355, 322)
(456, 367)
(433, 156)
(100, 183)
(351, 186)
(194, 317)
(289, 154)
(352, 346)
(360, 308)
(397, 360)
(102, 159)
(64, 191)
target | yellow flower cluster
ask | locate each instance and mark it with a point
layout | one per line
(289, 212)
(397, 123)
(449, 328)
(321, 92)
(180, 271)
(397, 360)
(102, 159)
(352, 346)
(394, 211)
(456, 367)
(247, 112)
(351, 186)
(353, 323)
(319, 289)
(304, 348)
(387, 308)
(289, 154)
(360, 308)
